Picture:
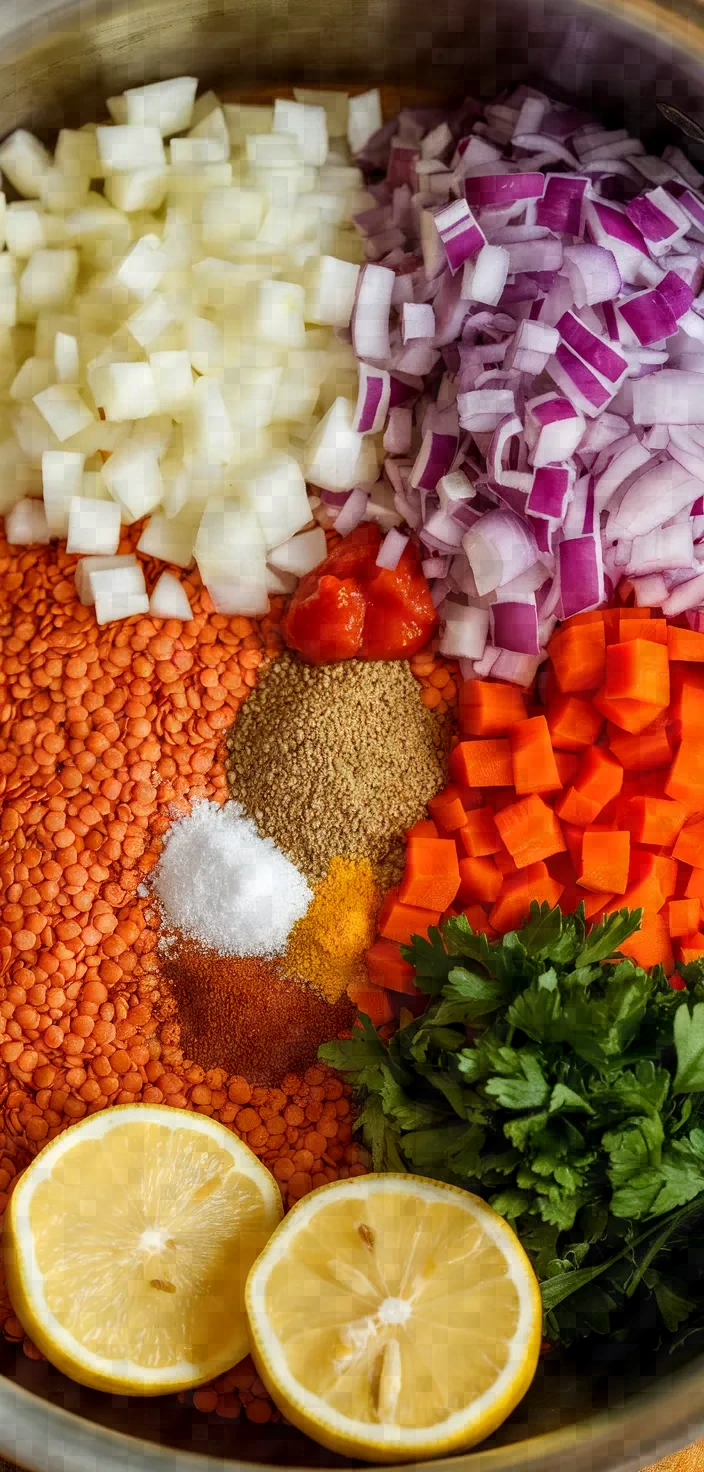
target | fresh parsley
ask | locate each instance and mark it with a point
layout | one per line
(556, 1078)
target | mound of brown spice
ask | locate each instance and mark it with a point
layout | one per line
(245, 1014)
(337, 761)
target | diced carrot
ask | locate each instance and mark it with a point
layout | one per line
(654, 629)
(573, 836)
(687, 697)
(446, 809)
(560, 867)
(534, 767)
(518, 892)
(489, 708)
(594, 903)
(629, 715)
(666, 870)
(683, 916)
(431, 877)
(651, 945)
(504, 863)
(685, 782)
(573, 723)
(483, 763)
(691, 949)
(643, 892)
(372, 1000)
(655, 820)
(634, 613)
(592, 616)
(424, 828)
(479, 834)
(530, 831)
(575, 808)
(387, 967)
(477, 917)
(605, 859)
(689, 847)
(567, 763)
(479, 880)
(685, 644)
(642, 752)
(695, 885)
(578, 654)
(401, 922)
(638, 670)
(598, 781)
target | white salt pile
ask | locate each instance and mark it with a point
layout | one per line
(223, 885)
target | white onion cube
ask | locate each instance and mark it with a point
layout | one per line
(170, 538)
(48, 281)
(93, 526)
(26, 524)
(332, 455)
(64, 410)
(25, 161)
(465, 633)
(25, 229)
(279, 314)
(279, 584)
(195, 153)
(230, 543)
(308, 123)
(143, 267)
(363, 118)
(167, 105)
(209, 426)
(62, 479)
(140, 189)
(301, 554)
(243, 118)
(8, 291)
(133, 477)
(169, 599)
(173, 379)
(278, 495)
(67, 361)
(231, 214)
(130, 391)
(151, 319)
(129, 146)
(119, 592)
(87, 565)
(34, 376)
(330, 292)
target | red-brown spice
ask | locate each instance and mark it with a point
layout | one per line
(247, 1016)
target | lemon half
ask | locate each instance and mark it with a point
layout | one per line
(128, 1243)
(394, 1318)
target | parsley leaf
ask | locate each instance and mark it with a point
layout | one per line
(689, 1042)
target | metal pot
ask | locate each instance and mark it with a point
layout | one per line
(59, 59)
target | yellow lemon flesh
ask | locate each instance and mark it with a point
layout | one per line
(394, 1318)
(128, 1243)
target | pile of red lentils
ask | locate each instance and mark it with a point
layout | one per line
(106, 735)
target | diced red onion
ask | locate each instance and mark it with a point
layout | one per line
(592, 272)
(515, 626)
(549, 492)
(581, 574)
(553, 429)
(689, 594)
(465, 632)
(372, 399)
(392, 549)
(592, 349)
(352, 512)
(459, 233)
(434, 459)
(669, 397)
(417, 320)
(370, 314)
(498, 548)
(399, 430)
(533, 343)
(666, 547)
(654, 498)
(648, 316)
(499, 189)
(434, 567)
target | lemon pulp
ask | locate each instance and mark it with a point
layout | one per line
(128, 1244)
(394, 1317)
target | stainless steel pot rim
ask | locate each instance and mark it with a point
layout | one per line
(37, 1434)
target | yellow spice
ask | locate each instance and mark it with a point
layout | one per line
(327, 946)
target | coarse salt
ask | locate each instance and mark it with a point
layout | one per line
(223, 885)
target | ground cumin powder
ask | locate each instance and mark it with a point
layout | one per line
(337, 761)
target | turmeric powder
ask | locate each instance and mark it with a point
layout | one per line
(326, 948)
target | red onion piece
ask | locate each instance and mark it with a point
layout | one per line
(581, 574)
(352, 512)
(370, 315)
(392, 549)
(515, 626)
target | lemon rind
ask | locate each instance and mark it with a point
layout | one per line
(311, 1414)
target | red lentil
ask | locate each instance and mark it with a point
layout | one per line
(91, 777)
